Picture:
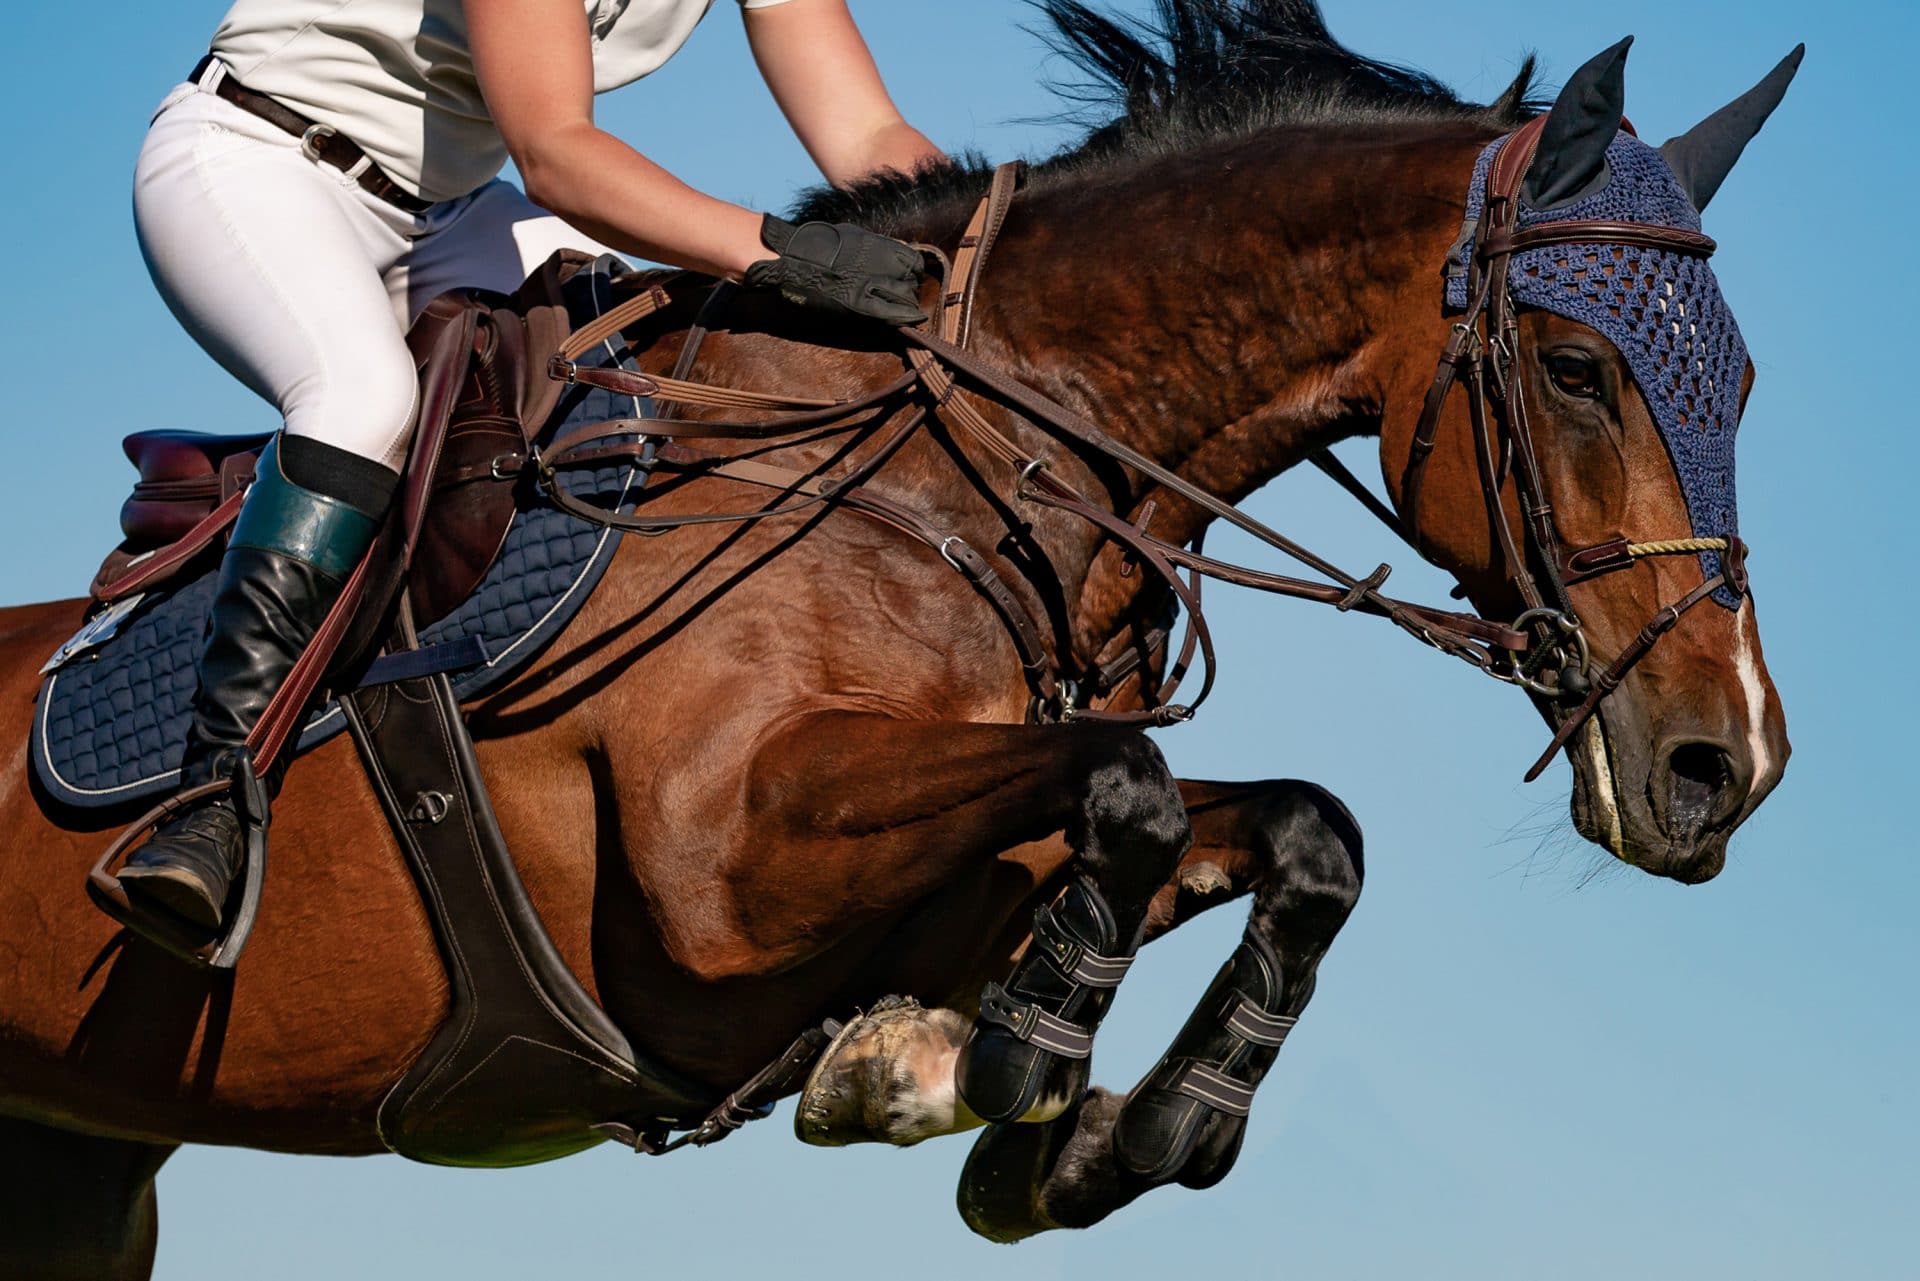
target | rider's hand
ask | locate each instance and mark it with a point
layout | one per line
(841, 269)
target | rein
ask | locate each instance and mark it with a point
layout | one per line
(1544, 650)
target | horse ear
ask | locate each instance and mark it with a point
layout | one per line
(1702, 157)
(1571, 160)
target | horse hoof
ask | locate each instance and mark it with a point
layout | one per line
(888, 1077)
(1022, 1180)
(1001, 1183)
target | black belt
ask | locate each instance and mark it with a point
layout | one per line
(318, 141)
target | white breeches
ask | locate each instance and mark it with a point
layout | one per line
(300, 283)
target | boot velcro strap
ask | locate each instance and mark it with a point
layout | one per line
(1251, 1023)
(1074, 959)
(1212, 1087)
(1030, 1023)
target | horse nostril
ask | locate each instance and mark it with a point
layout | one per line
(1698, 775)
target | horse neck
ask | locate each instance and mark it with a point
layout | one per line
(1228, 313)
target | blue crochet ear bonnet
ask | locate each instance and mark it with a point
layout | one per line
(1663, 310)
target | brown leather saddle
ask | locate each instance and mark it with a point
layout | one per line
(485, 395)
(526, 1066)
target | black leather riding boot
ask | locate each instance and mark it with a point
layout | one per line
(291, 552)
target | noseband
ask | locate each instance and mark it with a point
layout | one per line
(1481, 354)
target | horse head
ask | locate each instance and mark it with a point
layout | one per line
(1615, 378)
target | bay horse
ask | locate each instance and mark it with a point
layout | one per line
(785, 770)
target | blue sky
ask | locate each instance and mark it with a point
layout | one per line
(1509, 1070)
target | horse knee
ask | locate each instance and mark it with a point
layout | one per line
(1314, 855)
(1133, 805)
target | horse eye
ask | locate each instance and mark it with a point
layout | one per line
(1574, 374)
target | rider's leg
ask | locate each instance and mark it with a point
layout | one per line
(276, 267)
(492, 239)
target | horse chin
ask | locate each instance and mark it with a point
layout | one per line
(1617, 816)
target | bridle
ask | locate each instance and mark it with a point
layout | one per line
(1544, 650)
(1481, 355)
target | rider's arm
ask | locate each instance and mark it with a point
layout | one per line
(535, 65)
(534, 60)
(818, 67)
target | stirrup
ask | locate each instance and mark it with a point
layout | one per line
(220, 952)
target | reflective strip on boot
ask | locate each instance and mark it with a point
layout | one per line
(1212, 1087)
(1074, 959)
(1033, 1025)
(1249, 1022)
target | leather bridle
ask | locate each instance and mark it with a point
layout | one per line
(1481, 355)
(1544, 650)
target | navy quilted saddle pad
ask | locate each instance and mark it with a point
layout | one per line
(110, 726)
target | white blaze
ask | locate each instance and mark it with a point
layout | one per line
(1743, 629)
(1603, 788)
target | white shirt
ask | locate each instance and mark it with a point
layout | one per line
(397, 77)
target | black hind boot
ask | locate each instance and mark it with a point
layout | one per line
(293, 547)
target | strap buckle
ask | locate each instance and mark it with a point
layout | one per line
(314, 138)
(1023, 485)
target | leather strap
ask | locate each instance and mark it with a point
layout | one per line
(1074, 959)
(164, 562)
(939, 362)
(1616, 671)
(318, 141)
(1251, 1023)
(1030, 1023)
(1212, 1087)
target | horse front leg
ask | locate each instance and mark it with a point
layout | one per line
(76, 1205)
(869, 815)
(1299, 852)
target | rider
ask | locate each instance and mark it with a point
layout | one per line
(331, 166)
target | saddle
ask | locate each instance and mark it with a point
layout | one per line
(526, 1066)
(484, 395)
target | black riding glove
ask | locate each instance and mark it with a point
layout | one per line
(841, 269)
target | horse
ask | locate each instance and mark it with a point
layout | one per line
(788, 769)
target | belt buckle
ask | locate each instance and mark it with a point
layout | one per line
(313, 138)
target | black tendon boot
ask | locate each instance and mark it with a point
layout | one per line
(293, 547)
(1185, 1120)
(1049, 1009)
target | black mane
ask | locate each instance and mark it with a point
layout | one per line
(1199, 72)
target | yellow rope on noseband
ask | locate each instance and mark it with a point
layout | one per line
(1677, 546)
